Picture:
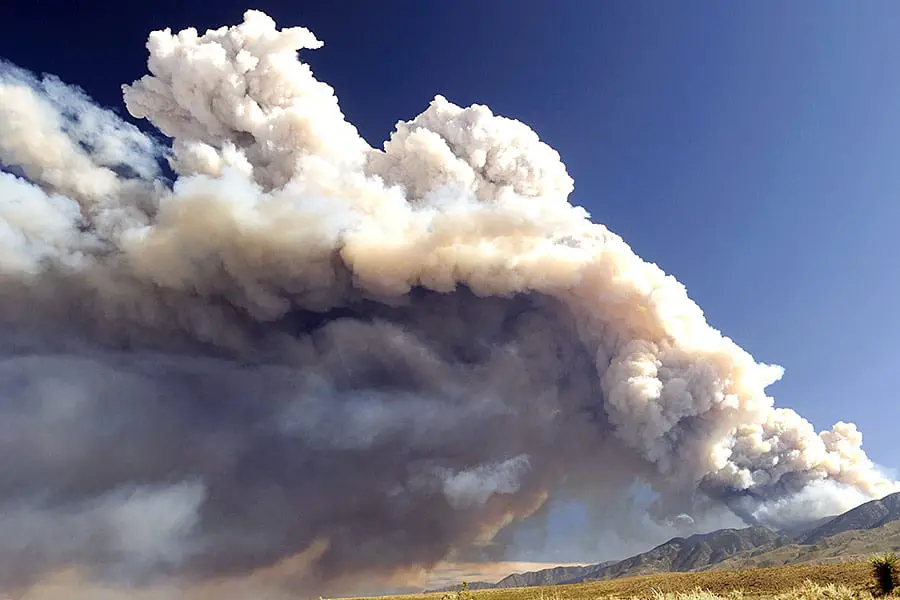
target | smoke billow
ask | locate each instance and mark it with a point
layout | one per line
(306, 346)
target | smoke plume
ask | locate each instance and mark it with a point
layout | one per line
(305, 346)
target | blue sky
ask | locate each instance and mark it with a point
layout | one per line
(749, 148)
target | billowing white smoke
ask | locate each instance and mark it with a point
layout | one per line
(306, 340)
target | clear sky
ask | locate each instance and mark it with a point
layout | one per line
(749, 148)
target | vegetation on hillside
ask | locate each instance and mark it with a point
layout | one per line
(848, 546)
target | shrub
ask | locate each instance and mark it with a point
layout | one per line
(884, 569)
(462, 593)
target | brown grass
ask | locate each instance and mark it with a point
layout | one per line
(755, 583)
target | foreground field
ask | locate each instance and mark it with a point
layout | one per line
(785, 582)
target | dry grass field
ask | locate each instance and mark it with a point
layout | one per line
(795, 582)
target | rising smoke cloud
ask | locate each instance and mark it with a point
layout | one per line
(306, 346)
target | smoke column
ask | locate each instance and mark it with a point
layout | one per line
(307, 349)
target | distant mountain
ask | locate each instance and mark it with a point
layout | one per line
(865, 516)
(689, 554)
(868, 528)
(544, 577)
(678, 554)
(554, 576)
(473, 585)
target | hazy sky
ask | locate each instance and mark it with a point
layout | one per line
(749, 148)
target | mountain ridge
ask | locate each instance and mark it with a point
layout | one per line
(818, 539)
(688, 553)
(870, 515)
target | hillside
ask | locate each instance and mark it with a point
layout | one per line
(688, 554)
(678, 554)
(847, 546)
(869, 528)
(865, 516)
(545, 577)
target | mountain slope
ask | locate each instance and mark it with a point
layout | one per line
(865, 516)
(859, 532)
(846, 546)
(688, 554)
(552, 576)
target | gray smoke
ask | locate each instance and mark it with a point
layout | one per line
(372, 359)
